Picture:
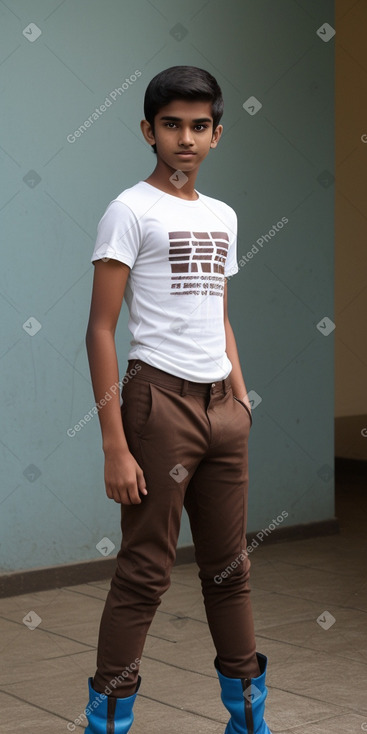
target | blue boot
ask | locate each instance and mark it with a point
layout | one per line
(108, 715)
(244, 698)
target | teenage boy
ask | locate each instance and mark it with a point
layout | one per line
(180, 437)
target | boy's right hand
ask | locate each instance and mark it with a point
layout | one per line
(124, 478)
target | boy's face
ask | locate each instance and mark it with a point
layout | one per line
(183, 133)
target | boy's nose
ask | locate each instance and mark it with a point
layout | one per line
(185, 137)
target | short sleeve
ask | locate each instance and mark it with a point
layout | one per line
(118, 235)
(231, 266)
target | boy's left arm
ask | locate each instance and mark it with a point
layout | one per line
(237, 381)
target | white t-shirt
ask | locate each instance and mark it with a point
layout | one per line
(179, 253)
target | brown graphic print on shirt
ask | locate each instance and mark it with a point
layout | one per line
(194, 258)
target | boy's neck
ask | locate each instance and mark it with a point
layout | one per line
(160, 178)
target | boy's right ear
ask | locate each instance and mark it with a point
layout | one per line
(147, 131)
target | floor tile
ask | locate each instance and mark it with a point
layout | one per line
(306, 583)
(346, 637)
(317, 672)
(286, 711)
(19, 717)
(22, 650)
(75, 616)
(323, 677)
(340, 724)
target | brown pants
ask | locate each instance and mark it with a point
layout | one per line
(190, 440)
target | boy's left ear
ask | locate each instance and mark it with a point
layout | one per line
(147, 131)
(216, 136)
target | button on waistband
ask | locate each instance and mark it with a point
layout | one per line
(172, 382)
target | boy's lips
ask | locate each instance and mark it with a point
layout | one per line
(186, 153)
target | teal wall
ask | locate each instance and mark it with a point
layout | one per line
(275, 164)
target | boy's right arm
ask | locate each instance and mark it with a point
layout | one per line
(124, 477)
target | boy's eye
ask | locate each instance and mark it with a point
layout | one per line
(198, 127)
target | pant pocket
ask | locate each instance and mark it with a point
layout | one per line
(245, 407)
(137, 404)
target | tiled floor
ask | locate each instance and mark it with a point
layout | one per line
(317, 677)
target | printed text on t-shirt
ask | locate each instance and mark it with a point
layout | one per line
(202, 253)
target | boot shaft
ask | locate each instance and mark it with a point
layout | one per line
(109, 715)
(244, 699)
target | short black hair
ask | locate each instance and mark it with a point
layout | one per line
(182, 82)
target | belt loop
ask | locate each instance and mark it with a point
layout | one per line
(184, 386)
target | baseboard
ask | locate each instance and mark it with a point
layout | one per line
(55, 577)
(299, 532)
(351, 437)
(354, 467)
